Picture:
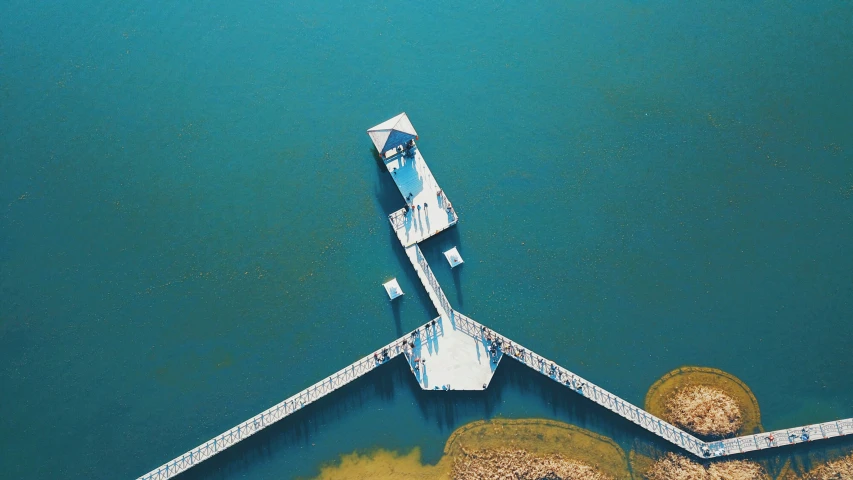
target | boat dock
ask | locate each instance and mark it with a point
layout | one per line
(455, 352)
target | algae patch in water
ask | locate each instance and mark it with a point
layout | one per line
(524, 440)
(380, 464)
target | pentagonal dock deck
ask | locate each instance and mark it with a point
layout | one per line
(450, 359)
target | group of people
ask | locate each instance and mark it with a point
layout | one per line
(495, 344)
(411, 208)
(409, 346)
(719, 449)
(804, 435)
(493, 350)
(448, 206)
(568, 379)
(417, 362)
(381, 358)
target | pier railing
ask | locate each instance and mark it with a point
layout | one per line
(442, 305)
(583, 387)
(398, 219)
(661, 428)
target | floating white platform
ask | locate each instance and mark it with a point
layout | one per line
(392, 288)
(453, 257)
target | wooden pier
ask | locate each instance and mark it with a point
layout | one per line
(464, 360)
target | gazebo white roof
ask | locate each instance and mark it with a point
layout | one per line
(453, 257)
(392, 133)
(392, 288)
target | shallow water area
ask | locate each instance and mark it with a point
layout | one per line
(538, 437)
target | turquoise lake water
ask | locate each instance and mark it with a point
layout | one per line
(192, 222)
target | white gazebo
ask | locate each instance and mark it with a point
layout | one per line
(453, 257)
(392, 133)
(392, 288)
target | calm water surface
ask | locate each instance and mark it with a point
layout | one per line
(192, 224)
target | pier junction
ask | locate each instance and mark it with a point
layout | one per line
(470, 352)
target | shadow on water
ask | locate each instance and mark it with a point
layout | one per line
(457, 282)
(450, 410)
(385, 189)
(398, 321)
(447, 410)
(564, 404)
(297, 430)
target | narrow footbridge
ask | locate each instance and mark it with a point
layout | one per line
(459, 364)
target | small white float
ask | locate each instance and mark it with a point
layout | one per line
(453, 257)
(393, 289)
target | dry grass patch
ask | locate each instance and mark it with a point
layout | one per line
(704, 410)
(676, 467)
(679, 467)
(705, 401)
(521, 465)
(546, 439)
(834, 470)
(737, 470)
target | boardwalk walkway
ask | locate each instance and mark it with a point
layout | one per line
(457, 357)
(436, 294)
(661, 428)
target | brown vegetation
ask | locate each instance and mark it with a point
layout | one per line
(678, 467)
(539, 439)
(662, 391)
(500, 448)
(736, 470)
(521, 465)
(704, 410)
(834, 470)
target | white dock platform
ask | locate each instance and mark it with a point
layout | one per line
(430, 211)
(454, 359)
